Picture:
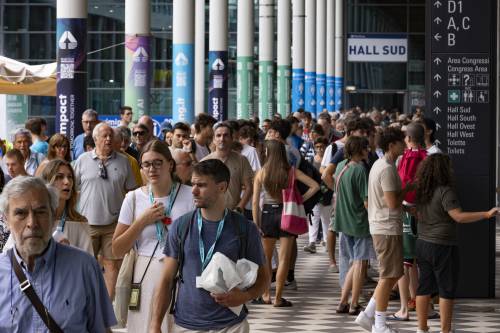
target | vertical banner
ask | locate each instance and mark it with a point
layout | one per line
(71, 86)
(183, 83)
(339, 55)
(137, 74)
(330, 93)
(244, 93)
(266, 89)
(310, 57)
(320, 92)
(330, 56)
(339, 93)
(217, 85)
(310, 92)
(298, 22)
(17, 115)
(320, 56)
(284, 57)
(284, 90)
(297, 88)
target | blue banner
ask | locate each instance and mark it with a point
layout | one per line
(217, 84)
(71, 86)
(330, 93)
(114, 121)
(183, 83)
(297, 89)
(339, 93)
(310, 92)
(320, 93)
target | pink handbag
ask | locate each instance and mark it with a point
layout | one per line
(293, 217)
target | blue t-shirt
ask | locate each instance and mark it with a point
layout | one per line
(338, 157)
(78, 147)
(40, 147)
(195, 309)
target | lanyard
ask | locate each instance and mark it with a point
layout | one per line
(206, 260)
(168, 209)
(62, 222)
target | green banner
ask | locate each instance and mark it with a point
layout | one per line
(284, 93)
(266, 89)
(17, 115)
(244, 92)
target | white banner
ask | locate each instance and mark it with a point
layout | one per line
(377, 48)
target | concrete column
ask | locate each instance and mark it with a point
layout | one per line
(284, 44)
(137, 56)
(245, 44)
(199, 58)
(298, 22)
(266, 58)
(330, 55)
(310, 57)
(71, 86)
(183, 61)
(339, 55)
(320, 56)
(217, 60)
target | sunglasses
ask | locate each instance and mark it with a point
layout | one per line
(103, 172)
(139, 133)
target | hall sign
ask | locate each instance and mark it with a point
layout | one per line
(377, 48)
(460, 74)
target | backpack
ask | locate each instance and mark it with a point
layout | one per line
(309, 170)
(240, 223)
(407, 169)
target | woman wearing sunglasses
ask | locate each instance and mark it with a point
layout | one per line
(145, 217)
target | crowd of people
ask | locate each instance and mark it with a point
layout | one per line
(374, 182)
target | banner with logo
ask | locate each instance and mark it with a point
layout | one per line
(137, 74)
(297, 89)
(284, 90)
(266, 89)
(339, 93)
(320, 93)
(114, 121)
(71, 86)
(183, 83)
(244, 92)
(217, 84)
(310, 92)
(377, 48)
(330, 93)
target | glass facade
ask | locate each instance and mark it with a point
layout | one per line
(383, 84)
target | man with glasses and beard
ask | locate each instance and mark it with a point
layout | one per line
(103, 177)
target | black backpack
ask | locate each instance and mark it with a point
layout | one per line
(309, 170)
(240, 223)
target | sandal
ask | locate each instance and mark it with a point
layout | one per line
(354, 311)
(260, 301)
(393, 317)
(343, 308)
(283, 303)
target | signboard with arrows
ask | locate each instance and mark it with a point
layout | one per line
(460, 65)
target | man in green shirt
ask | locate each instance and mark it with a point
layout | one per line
(351, 221)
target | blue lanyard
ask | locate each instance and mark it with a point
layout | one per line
(206, 260)
(168, 209)
(62, 222)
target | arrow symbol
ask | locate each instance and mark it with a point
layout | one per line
(437, 109)
(437, 4)
(437, 37)
(437, 77)
(437, 93)
(438, 127)
(438, 20)
(437, 61)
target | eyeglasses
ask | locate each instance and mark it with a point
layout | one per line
(156, 164)
(139, 133)
(103, 172)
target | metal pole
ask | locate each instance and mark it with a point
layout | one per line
(266, 58)
(310, 57)
(339, 55)
(330, 55)
(298, 12)
(199, 57)
(320, 56)
(284, 43)
(183, 61)
(245, 43)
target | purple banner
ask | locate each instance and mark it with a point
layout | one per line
(217, 84)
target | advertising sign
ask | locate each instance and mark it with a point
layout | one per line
(244, 93)
(183, 83)
(297, 89)
(377, 48)
(217, 84)
(137, 74)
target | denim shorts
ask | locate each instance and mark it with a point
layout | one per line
(356, 248)
(270, 223)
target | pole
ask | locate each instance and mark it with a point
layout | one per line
(320, 56)
(284, 41)
(339, 55)
(244, 78)
(330, 55)
(298, 12)
(71, 85)
(183, 61)
(199, 58)
(266, 59)
(310, 57)
(217, 60)
(137, 56)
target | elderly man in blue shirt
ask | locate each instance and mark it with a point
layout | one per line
(67, 281)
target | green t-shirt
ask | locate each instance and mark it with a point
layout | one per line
(351, 216)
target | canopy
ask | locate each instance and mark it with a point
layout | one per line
(17, 78)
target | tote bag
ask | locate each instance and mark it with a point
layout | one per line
(293, 217)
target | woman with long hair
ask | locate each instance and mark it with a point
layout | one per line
(271, 180)
(59, 147)
(71, 227)
(145, 217)
(439, 211)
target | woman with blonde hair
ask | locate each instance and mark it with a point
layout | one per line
(145, 217)
(59, 147)
(71, 227)
(271, 180)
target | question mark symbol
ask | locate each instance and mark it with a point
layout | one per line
(466, 79)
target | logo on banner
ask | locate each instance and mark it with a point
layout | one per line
(140, 55)
(67, 41)
(218, 65)
(181, 59)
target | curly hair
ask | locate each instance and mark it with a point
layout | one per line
(433, 172)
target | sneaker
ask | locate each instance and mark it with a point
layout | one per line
(333, 268)
(291, 285)
(323, 243)
(311, 248)
(385, 329)
(364, 321)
